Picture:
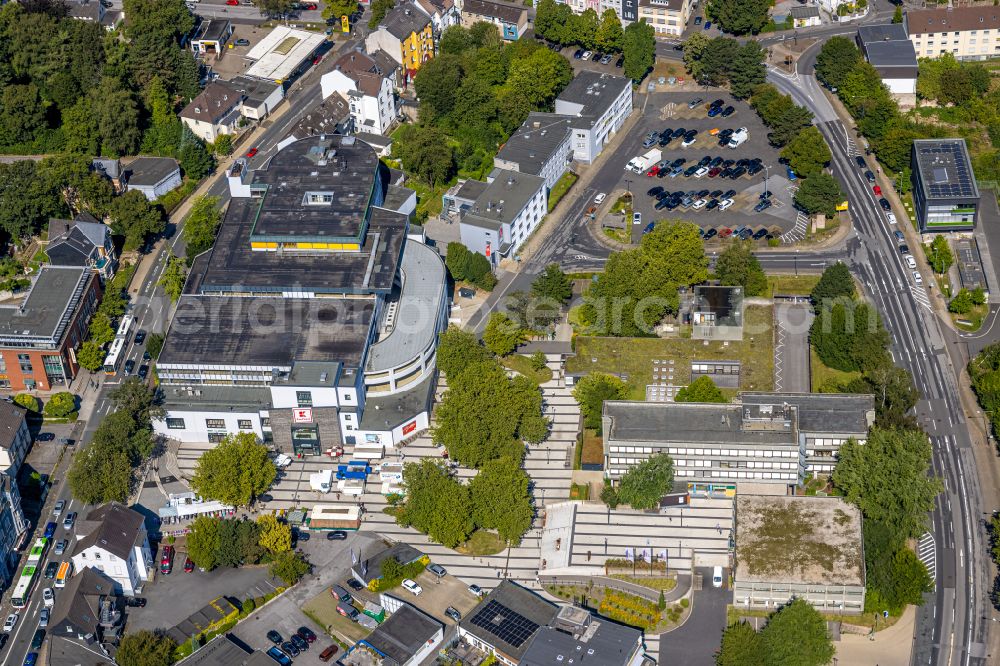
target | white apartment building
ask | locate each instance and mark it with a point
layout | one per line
(968, 33)
(668, 17)
(370, 95)
(510, 207)
(112, 539)
(599, 104)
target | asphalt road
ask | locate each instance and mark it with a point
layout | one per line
(953, 627)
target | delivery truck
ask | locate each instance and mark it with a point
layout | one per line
(739, 137)
(642, 163)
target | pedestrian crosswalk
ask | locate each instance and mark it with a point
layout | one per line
(927, 553)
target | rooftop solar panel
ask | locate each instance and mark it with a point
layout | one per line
(507, 625)
(944, 168)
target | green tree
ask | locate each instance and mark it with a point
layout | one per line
(201, 226)
(897, 16)
(60, 405)
(978, 296)
(552, 283)
(695, 47)
(276, 7)
(429, 156)
(887, 478)
(29, 402)
(939, 255)
(807, 153)
(819, 194)
(457, 350)
(133, 217)
(138, 401)
(836, 60)
(538, 360)
(836, 283)
(235, 472)
(203, 542)
(196, 162)
(117, 116)
(738, 17)
(639, 48)
(501, 500)
(223, 145)
(436, 503)
(23, 114)
(850, 336)
(101, 474)
(379, 9)
(145, 648)
(642, 486)
(894, 395)
(27, 201)
(609, 35)
(334, 9)
(796, 635)
(737, 265)
(101, 331)
(289, 567)
(154, 345)
(91, 356)
(962, 303)
(747, 70)
(592, 391)
(168, 19)
(502, 334)
(702, 389)
(275, 536)
(173, 278)
(741, 646)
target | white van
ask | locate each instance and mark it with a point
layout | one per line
(717, 577)
(910, 261)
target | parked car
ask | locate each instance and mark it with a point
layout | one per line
(437, 570)
(48, 597)
(38, 639)
(620, 62)
(188, 565)
(728, 111)
(167, 560)
(45, 437)
(904, 249)
(307, 634)
(708, 25)
(336, 535)
(762, 206)
(916, 278)
(299, 642)
(327, 654)
(476, 590)
(695, 102)
(710, 233)
(599, 199)
(289, 648)
(279, 656)
(143, 371)
(877, 190)
(129, 366)
(30, 659)
(869, 176)
(891, 217)
(10, 622)
(51, 569)
(251, 152)
(355, 584)
(725, 203)
(885, 204)
(58, 508)
(898, 234)
(242, 42)
(233, 3)
(606, 60)
(135, 602)
(275, 637)
(697, 20)
(586, 55)
(140, 336)
(860, 160)
(50, 530)
(760, 233)
(43, 618)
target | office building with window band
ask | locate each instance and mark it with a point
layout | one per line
(945, 194)
(313, 321)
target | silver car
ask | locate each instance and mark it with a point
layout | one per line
(60, 505)
(43, 618)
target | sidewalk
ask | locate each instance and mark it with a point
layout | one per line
(889, 647)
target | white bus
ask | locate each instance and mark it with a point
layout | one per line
(113, 360)
(38, 551)
(22, 591)
(125, 327)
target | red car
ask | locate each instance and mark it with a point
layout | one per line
(317, 60)
(877, 190)
(653, 171)
(167, 561)
(725, 232)
(311, 7)
(252, 152)
(188, 565)
(233, 3)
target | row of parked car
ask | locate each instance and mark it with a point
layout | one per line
(743, 232)
(284, 651)
(694, 199)
(716, 167)
(715, 108)
(603, 58)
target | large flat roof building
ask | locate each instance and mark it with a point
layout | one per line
(767, 441)
(312, 300)
(888, 49)
(945, 194)
(807, 547)
(506, 621)
(281, 53)
(576, 635)
(407, 638)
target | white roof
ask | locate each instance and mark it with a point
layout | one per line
(281, 51)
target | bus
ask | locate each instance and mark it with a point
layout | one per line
(65, 571)
(38, 551)
(22, 591)
(114, 358)
(125, 327)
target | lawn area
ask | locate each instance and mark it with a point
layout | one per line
(971, 320)
(561, 187)
(522, 365)
(579, 491)
(820, 374)
(867, 620)
(791, 285)
(634, 356)
(593, 448)
(482, 543)
(323, 610)
(656, 583)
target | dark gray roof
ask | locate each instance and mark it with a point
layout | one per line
(535, 142)
(384, 412)
(46, 310)
(107, 166)
(893, 59)
(403, 20)
(216, 398)
(75, 238)
(804, 12)
(78, 604)
(324, 118)
(471, 189)
(507, 13)
(695, 422)
(212, 30)
(832, 413)
(508, 618)
(254, 91)
(385, 62)
(373, 565)
(150, 170)
(585, 639)
(595, 91)
(885, 32)
(944, 168)
(116, 530)
(270, 332)
(511, 188)
(375, 140)
(213, 104)
(404, 634)
(89, 10)
(11, 421)
(222, 651)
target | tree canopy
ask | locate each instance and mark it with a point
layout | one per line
(836, 59)
(437, 504)
(592, 391)
(458, 349)
(639, 286)
(835, 284)
(639, 46)
(235, 472)
(502, 334)
(642, 486)
(737, 266)
(807, 153)
(552, 283)
(850, 336)
(738, 17)
(145, 648)
(741, 646)
(201, 225)
(887, 478)
(796, 635)
(819, 193)
(702, 389)
(469, 266)
(501, 500)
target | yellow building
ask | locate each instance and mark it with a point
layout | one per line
(407, 35)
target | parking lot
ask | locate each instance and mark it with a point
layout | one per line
(674, 111)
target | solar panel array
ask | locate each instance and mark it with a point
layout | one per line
(507, 625)
(949, 156)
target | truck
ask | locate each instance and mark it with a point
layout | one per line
(739, 137)
(641, 163)
(354, 469)
(334, 517)
(321, 481)
(282, 460)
